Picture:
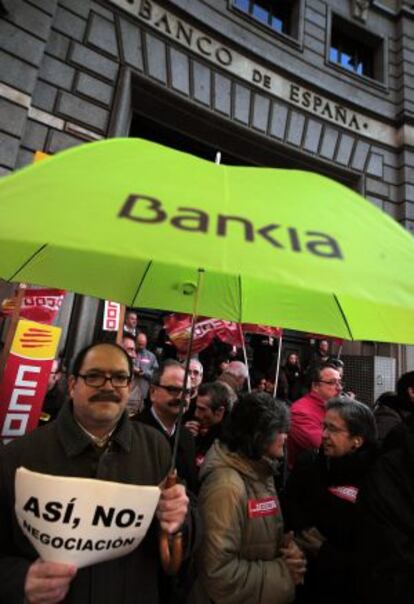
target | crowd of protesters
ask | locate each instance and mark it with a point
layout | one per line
(282, 499)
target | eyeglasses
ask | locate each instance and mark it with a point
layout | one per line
(332, 382)
(96, 380)
(176, 390)
(333, 429)
(194, 372)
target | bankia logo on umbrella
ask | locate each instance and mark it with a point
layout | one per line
(149, 210)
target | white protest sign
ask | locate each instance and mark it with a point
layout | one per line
(82, 521)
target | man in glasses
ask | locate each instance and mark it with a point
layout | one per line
(196, 375)
(195, 372)
(307, 413)
(92, 438)
(166, 393)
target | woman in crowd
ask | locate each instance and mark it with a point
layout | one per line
(293, 375)
(320, 500)
(245, 556)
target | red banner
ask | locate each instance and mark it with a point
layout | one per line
(178, 327)
(274, 332)
(25, 378)
(39, 304)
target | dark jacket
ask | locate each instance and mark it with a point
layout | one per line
(135, 455)
(312, 498)
(390, 414)
(293, 376)
(175, 589)
(186, 468)
(386, 533)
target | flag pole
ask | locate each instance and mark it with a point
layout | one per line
(249, 385)
(279, 356)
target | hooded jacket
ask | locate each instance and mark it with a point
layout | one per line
(240, 559)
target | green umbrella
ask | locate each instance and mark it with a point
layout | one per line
(132, 221)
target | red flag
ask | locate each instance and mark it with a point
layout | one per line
(178, 327)
(38, 304)
(265, 330)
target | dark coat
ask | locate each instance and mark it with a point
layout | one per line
(311, 499)
(294, 382)
(386, 533)
(136, 455)
(389, 415)
(175, 589)
(186, 467)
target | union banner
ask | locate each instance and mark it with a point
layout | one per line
(24, 383)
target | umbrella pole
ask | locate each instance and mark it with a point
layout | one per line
(249, 385)
(171, 547)
(279, 356)
(338, 356)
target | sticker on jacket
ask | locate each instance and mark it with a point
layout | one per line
(267, 506)
(347, 493)
(199, 459)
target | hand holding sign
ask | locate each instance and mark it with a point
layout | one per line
(84, 521)
(48, 582)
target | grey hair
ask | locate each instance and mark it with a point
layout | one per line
(238, 369)
(358, 417)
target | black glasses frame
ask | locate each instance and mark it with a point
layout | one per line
(97, 380)
(175, 390)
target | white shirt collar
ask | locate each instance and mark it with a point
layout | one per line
(163, 426)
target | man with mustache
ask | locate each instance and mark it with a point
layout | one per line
(92, 438)
(165, 393)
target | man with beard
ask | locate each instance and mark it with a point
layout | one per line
(91, 438)
(166, 392)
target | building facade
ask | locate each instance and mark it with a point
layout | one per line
(321, 85)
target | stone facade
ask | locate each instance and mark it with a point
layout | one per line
(76, 70)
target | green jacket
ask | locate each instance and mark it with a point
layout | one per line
(240, 560)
